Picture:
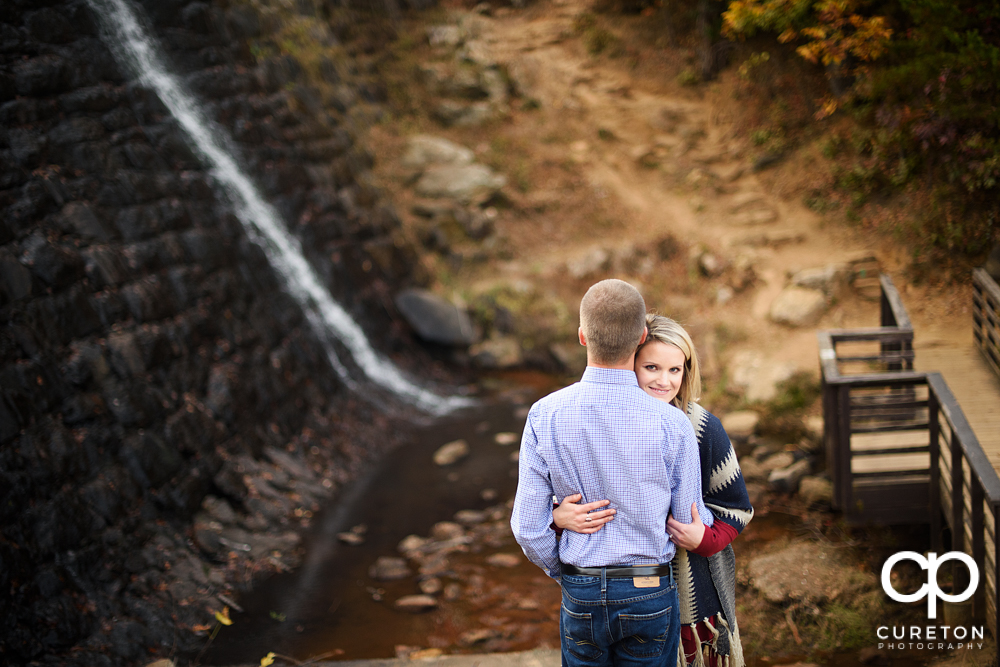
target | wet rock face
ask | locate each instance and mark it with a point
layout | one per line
(148, 358)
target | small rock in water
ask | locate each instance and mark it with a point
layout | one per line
(161, 663)
(451, 452)
(426, 654)
(506, 438)
(351, 539)
(411, 543)
(416, 603)
(470, 517)
(504, 560)
(389, 568)
(489, 494)
(431, 586)
(476, 636)
(452, 591)
(528, 604)
(447, 530)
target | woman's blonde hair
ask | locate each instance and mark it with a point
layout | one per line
(667, 331)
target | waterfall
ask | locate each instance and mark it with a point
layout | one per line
(136, 51)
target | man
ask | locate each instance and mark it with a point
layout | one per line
(606, 438)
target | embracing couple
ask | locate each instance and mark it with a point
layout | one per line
(652, 497)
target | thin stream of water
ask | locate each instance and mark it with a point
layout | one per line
(137, 52)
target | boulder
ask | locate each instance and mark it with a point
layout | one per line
(434, 318)
(786, 480)
(741, 424)
(590, 263)
(467, 183)
(758, 377)
(463, 114)
(497, 352)
(832, 279)
(816, 491)
(451, 452)
(798, 307)
(806, 571)
(424, 150)
(778, 461)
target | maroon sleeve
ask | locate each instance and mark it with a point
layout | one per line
(715, 539)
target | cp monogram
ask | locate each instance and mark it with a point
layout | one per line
(930, 589)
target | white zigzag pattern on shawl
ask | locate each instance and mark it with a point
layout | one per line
(742, 516)
(725, 473)
(685, 586)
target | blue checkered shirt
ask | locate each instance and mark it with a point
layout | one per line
(606, 438)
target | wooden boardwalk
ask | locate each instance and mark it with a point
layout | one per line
(974, 385)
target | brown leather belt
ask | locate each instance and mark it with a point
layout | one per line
(663, 570)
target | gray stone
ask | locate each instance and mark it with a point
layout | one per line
(434, 318)
(798, 307)
(15, 279)
(816, 491)
(595, 260)
(451, 452)
(424, 150)
(463, 114)
(416, 603)
(389, 568)
(219, 510)
(79, 218)
(778, 461)
(741, 424)
(806, 571)
(444, 35)
(497, 352)
(468, 183)
(504, 560)
(786, 480)
(832, 279)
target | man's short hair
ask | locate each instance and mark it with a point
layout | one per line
(612, 317)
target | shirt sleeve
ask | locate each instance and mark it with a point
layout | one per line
(685, 487)
(716, 538)
(531, 516)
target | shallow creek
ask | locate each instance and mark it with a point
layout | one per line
(330, 606)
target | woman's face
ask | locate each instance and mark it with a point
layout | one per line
(660, 369)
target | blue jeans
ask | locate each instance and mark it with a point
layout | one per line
(609, 621)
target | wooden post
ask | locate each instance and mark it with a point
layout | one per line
(960, 576)
(934, 492)
(846, 483)
(978, 546)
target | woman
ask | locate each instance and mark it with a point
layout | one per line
(666, 366)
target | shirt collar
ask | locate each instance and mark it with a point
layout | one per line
(609, 376)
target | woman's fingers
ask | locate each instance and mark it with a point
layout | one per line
(597, 504)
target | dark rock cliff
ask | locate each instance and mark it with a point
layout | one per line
(167, 416)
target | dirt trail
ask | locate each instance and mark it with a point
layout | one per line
(664, 158)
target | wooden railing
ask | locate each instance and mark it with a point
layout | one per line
(899, 447)
(986, 317)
